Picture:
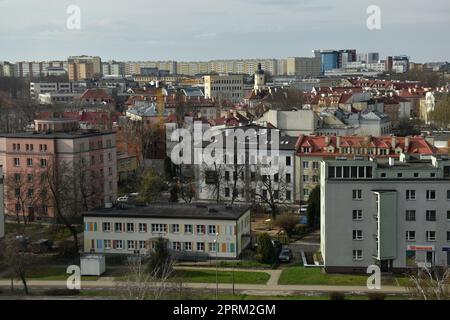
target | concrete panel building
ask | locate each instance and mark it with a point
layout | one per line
(190, 230)
(228, 87)
(394, 215)
(304, 67)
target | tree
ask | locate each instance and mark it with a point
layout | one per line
(174, 194)
(288, 222)
(187, 191)
(214, 176)
(151, 186)
(441, 114)
(313, 210)
(430, 284)
(286, 99)
(160, 259)
(18, 259)
(407, 128)
(266, 249)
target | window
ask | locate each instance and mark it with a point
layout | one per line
(201, 229)
(130, 227)
(357, 235)
(431, 194)
(288, 195)
(212, 229)
(448, 215)
(305, 164)
(357, 255)
(176, 246)
(431, 215)
(357, 194)
(410, 215)
(175, 228)
(288, 161)
(159, 228)
(30, 177)
(200, 246)
(188, 228)
(106, 227)
(448, 194)
(410, 236)
(187, 246)
(357, 215)
(43, 162)
(17, 177)
(107, 244)
(288, 178)
(410, 194)
(227, 192)
(315, 165)
(305, 178)
(130, 245)
(16, 162)
(119, 244)
(141, 244)
(211, 247)
(448, 235)
(117, 227)
(142, 227)
(431, 235)
(29, 162)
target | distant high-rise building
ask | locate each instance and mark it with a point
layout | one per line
(84, 67)
(305, 67)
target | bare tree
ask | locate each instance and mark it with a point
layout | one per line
(430, 284)
(214, 177)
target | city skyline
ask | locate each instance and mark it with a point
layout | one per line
(199, 30)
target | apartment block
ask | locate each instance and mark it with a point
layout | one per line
(304, 67)
(395, 215)
(2, 204)
(191, 230)
(27, 156)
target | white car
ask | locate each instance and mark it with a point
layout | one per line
(123, 199)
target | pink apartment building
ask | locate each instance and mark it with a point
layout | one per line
(26, 156)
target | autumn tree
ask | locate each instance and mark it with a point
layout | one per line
(441, 114)
(287, 222)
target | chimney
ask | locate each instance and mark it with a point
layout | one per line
(338, 141)
(407, 140)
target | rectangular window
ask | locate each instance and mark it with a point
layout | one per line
(159, 228)
(211, 247)
(119, 244)
(200, 246)
(43, 162)
(288, 161)
(448, 194)
(431, 235)
(288, 178)
(305, 164)
(130, 245)
(201, 229)
(107, 244)
(141, 244)
(130, 227)
(188, 228)
(117, 227)
(357, 194)
(289, 196)
(410, 236)
(410, 194)
(357, 255)
(431, 215)
(176, 246)
(106, 227)
(357, 215)
(142, 227)
(212, 229)
(431, 194)
(187, 246)
(410, 215)
(357, 235)
(448, 235)
(16, 162)
(175, 228)
(30, 162)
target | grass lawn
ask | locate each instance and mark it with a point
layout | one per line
(209, 276)
(314, 276)
(243, 264)
(294, 297)
(51, 273)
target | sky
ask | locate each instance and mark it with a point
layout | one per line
(193, 30)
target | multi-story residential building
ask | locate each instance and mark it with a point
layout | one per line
(311, 150)
(56, 143)
(2, 205)
(35, 69)
(6, 69)
(37, 88)
(84, 67)
(222, 87)
(259, 167)
(304, 67)
(113, 68)
(394, 215)
(190, 230)
(400, 64)
(134, 67)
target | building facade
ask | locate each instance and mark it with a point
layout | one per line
(394, 215)
(304, 67)
(190, 230)
(28, 157)
(224, 87)
(2, 204)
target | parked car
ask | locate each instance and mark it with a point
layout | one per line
(123, 199)
(285, 255)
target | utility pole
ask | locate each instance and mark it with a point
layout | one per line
(217, 265)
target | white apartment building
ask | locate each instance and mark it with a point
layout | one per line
(224, 87)
(190, 229)
(257, 176)
(2, 205)
(394, 215)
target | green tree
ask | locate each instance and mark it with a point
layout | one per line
(266, 249)
(160, 260)
(441, 114)
(151, 186)
(313, 210)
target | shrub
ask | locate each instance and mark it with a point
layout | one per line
(376, 296)
(337, 296)
(266, 249)
(287, 222)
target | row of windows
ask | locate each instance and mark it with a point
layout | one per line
(29, 147)
(42, 162)
(430, 215)
(99, 145)
(357, 235)
(160, 228)
(429, 194)
(352, 172)
(314, 165)
(175, 245)
(276, 194)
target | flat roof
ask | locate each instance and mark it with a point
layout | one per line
(174, 211)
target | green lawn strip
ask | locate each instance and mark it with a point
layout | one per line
(209, 276)
(243, 264)
(314, 276)
(295, 297)
(50, 273)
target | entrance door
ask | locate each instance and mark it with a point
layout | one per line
(430, 257)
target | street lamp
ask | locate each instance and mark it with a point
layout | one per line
(217, 265)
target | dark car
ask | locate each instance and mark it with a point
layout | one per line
(285, 255)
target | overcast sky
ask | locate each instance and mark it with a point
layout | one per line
(221, 29)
